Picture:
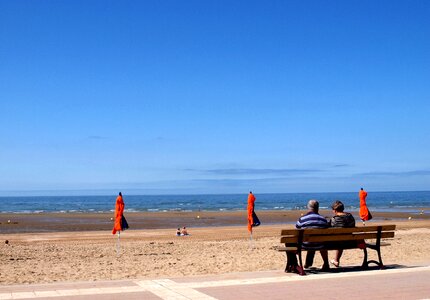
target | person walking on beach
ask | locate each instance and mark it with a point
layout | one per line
(365, 214)
(252, 217)
(118, 214)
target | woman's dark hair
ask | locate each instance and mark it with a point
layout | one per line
(338, 206)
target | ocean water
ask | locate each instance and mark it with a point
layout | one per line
(376, 201)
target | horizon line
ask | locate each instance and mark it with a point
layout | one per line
(103, 192)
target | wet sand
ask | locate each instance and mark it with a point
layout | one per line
(62, 222)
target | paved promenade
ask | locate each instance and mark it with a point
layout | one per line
(392, 283)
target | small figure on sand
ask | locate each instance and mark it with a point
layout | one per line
(365, 214)
(184, 231)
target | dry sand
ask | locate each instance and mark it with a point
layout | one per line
(91, 255)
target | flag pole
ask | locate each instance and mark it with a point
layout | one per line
(118, 246)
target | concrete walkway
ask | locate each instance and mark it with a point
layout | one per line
(391, 283)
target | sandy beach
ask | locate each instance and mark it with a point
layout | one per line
(81, 247)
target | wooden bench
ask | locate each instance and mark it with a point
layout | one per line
(333, 239)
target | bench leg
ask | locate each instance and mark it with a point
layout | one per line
(378, 263)
(381, 265)
(377, 248)
(365, 264)
(292, 264)
(299, 268)
(289, 263)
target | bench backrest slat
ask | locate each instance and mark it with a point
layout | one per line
(337, 230)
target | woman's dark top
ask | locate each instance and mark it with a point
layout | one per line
(346, 220)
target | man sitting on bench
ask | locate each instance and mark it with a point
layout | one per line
(313, 220)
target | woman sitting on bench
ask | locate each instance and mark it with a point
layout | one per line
(340, 219)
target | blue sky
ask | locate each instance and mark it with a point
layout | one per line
(214, 96)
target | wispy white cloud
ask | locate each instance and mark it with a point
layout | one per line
(341, 166)
(97, 137)
(255, 171)
(396, 174)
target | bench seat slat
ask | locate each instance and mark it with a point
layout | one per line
(346, 246)
(286, 248)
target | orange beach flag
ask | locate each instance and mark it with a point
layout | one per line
(119, 210)
(252, 217)
(365, 214)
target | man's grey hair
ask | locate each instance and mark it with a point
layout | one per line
(313, 205)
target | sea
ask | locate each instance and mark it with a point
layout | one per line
(376, 201)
